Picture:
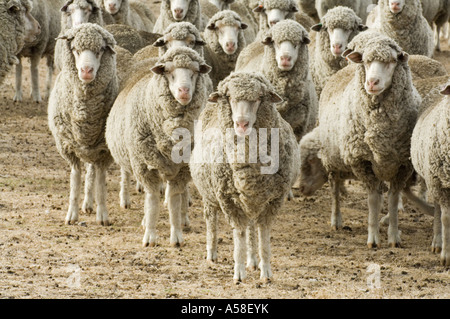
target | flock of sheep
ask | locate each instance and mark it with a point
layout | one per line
(350, 89)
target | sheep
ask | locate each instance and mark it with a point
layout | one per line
(75, 12)
(211, 7)
(142, 128)
(130, 38)
(244, 104)
(18, 28)
(224, 37)
(437, 12)
(329, 39)
(48, 15)
(128, 12)
(366, 118)
(427, 85)
(403, 21)
(285, 64)
(423, 67)
(79, 103)
(309, 7)
(177, 11)
(360, 7)
(429, 155)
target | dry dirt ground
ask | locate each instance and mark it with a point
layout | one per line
(40, 257)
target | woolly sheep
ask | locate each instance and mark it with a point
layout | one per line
(48, 15)
(78, 107)
(403, 21)
(243, 105)
(309, 7)
(366, 120)
(436, 12)
(423, 67)
(130, 38)
(224, 36)
(75, 12)
(285, 64)
(360, 7)
(18, 27)
(178, 11)
(128, 12)
(141, 130)
(329, 39)
(429, 155)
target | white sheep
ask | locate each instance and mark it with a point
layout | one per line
(309, 7)
(329, 39)
(78, 107)
(437, 12)
(18, 28)
(48, 15)
(429, 154)
(142, 129)
(360, 7)
(177, 11)
(248, 191)
(128, 12)
(366, 118)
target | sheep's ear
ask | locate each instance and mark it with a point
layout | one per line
(244, 26)
(294, 9)
(275, 98)
(317, 27)
(204, 68)
(158, 69)
(64, 37)
(259, 8)
(214, 97)
(211, 26)
(66, 5)
(110, 48)
(403, 56)
(200, 42)
(95, 7)
(13, 6)
(355, 57)
(267, 40)
(362, 27)
(306, 40)
(446, 90)
(159, 42)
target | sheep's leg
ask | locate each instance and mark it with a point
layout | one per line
(264, 251)
(375, 200)
(240, 247)
(336, 216)
(75, 190)
(100, 195)
(48, 83)
(174, 202)
(436, 244)
(18, 97)
(393, 232)
(124, 194)
(151, 212)
(185, 222)
(34, 68)
(211, 234)
(139, 187)
(445, 218)
(89, 189)
(437, 39)
(252, 247)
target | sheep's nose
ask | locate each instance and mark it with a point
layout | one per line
(112, 6)
(178, 12)
(183, 92)
(242, 124)
(373, 82)
(285, 60)
(87, 73)
(230, 46)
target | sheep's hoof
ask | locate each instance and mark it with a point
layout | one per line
(372, 245)
(251, 268)
(436, 250)
(237, 281)
(152, 244)
(126, 206)
(87, 210)
(70, 222)
(177, 244)
(103, 222)
(335, 227)
(211, 262)
(266, 280)
(395, 245)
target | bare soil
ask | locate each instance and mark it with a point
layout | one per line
(40, 257)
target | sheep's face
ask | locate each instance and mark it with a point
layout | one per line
(286, 54)
(275, 15)
(312, 174)
(379, 74)
(396, 6)
(87, 63)
(338, 40)
(112, 6)
(182, 80)
(179, 9)
(168, 41)
(228, 34)
(244, 115)
(22, 14)
(77, 14)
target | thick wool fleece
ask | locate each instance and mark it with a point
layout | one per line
(289, 6)
(235, 188)
(296, 88)
(143, 118)
(77, 111)
(180, 31)
(323, 63)
(132, 13)
(222, 64)
(165, 18)
(408, 28)
(12, 35)
(374, 132)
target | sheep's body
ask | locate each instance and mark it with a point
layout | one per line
(359, 6)
(309, 7)
(408, 28)
(132, 13)
(13, 33)
(436, 12)
(139, 134)
(77, 114)
(369, 136)
(295, 86)
(236, 188)
(427, 85)
(131, 39)
(430, 145)
(423, 67)
(165, 18)
(48, 15)
(323, 64)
